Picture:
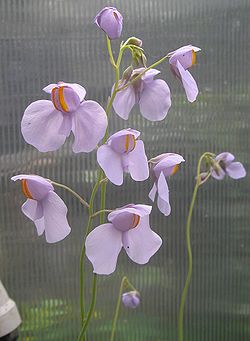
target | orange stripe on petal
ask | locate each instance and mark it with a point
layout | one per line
(193, 57)
(62, 99)
(53, 98)
(136, 220)
(25, 189)
(176, 168)
(127, 143)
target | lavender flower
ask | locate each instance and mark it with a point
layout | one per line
(152, 95)
(162, 166)
(180, 60)
(110, 21)
(131, 299)
(123, 153)
(225, 165)
(44, 207)
(128, 228)
(46, 124)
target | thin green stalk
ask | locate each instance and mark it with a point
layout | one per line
(111, 57)
(101, 211)
(189, 250)
(117, 309)
(82, 201)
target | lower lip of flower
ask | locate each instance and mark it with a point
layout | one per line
(25, 189)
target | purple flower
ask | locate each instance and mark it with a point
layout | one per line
(44, 207)
(123, 153)
(162, 166)
(226, 166)
(110, 21)
(152, 95)
(128, 228)
(46, 124)
(131, 299)
(181, 60)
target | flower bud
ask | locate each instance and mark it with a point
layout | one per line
(134, 41)
(110, 21)
(131, 299)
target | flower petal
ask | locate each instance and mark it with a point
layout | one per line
(155, 100)
(149, 75)
(141, 243)
(218, 176)
(81, 92)
(163, 195)
(138, 162)
(140, 210)
(32, 209)
(89, 126)
(103, 246)
(153, 192)
(188, 82)
(167, 163)
(236, 170)
(124, 102)
(41, 125)
(111, 163)
(226, 157)
(55, 218)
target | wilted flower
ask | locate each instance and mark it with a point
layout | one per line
(128, 228)
(110, 21)
(44, 207)
(162, 166)
(123, 153)
(131, 299)
(46, 124)
(152, 95)
(180, 60)
(225, 165)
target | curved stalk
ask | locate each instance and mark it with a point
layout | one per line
(189, 250)
(82, 201)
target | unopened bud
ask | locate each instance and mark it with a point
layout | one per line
(131, 299)
(135, 41)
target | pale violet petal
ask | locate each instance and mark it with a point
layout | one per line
(141, 243)
(153, 192)
(155, 100)
(236, 170)
(111, 163)
(124, 102)
(163, 195)
(189, 83)
(32, 209)
(103, 246)
(55, 218)
(89, 126)
(41, 124)
(138, 162)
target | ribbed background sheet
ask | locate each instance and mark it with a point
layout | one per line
(45, 41)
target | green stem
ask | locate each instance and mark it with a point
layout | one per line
(111, 57)
(117, 309)
(100, 212)
(189, 250)
(91, 309)
(91, 203)
(82, 201)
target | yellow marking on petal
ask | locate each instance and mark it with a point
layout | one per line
(127, 143)
(136, 220)
(53, 97)
(193, 57)
(176, 168)
(134, 141)
(115, 15)
(25, 189)
(62, 99)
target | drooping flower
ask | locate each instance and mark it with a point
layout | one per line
(110, 21)
(152, 95)
(44, 207)
(226, 165)
(162, 166)
(123, 153)
(128, 228)
(180, 60)
(46, 124)
(131, 299)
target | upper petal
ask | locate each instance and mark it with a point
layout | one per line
(189, 83)
(81, 92)
(89, 126)
(138, 162)
(155, 100)
(167, 163)
(226, 157)
(141, 243)
(111, 163)
(55, 218)
(163, 195)
(41, 125)
(236, 170)
(124, 102)
(103, 246)
(139, 209)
